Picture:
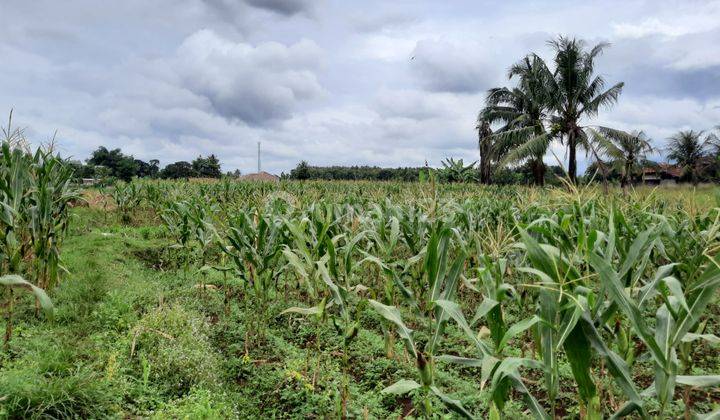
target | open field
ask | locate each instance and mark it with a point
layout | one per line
(375, 300)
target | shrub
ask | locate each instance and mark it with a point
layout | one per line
(198, 404)
(174, 344)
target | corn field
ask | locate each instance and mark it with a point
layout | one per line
(35, 195)
(508, 286)
(561, 303)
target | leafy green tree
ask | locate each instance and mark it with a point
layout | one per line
(233, 174)
(208, 167)
(301, 172)
(144, 169)
(120, 165)
(81, 170)
(181, 169)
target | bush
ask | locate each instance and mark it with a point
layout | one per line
(173, 345)
(198, 404)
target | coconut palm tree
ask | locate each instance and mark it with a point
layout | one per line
(576, 93)
(524, 111)
(688, 150)
(624, 150)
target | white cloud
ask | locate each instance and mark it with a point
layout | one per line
(255, 84)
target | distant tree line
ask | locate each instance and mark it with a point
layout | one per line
(451, 171)
(304, 171)
(105, 163)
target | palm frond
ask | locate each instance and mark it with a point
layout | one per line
(534, 147)
(606, 98)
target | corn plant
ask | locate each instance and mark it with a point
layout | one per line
(348, 302)
(255, 243)
(15, 181)
(35, 193)
(440, 283)
(49, 216)
(679, 312)
(204, 234)
(127, 197)
(567, 323)
(309, 238)
(501, 372)
(178, 220)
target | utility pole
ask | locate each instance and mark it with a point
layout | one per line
(258, 157)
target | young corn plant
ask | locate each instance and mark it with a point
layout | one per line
(565, 308)
(502, 372)
(440, 282)
(127, 197)
(342, 306)
(384, 238)
(309, 239)
(678, 313)
(204, 235)
(177, 218)
(254, 243)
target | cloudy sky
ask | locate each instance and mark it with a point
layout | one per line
(388, 83)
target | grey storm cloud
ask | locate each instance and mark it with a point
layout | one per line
(284, 7)
(656, 63)
(236, 11)
(330, 81)
(445, 67)
(255, 84)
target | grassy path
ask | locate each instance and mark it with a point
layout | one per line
(132, 337)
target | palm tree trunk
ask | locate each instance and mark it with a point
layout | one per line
(572, 159)
(538, 168)
(484, 160)
(625, 180)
